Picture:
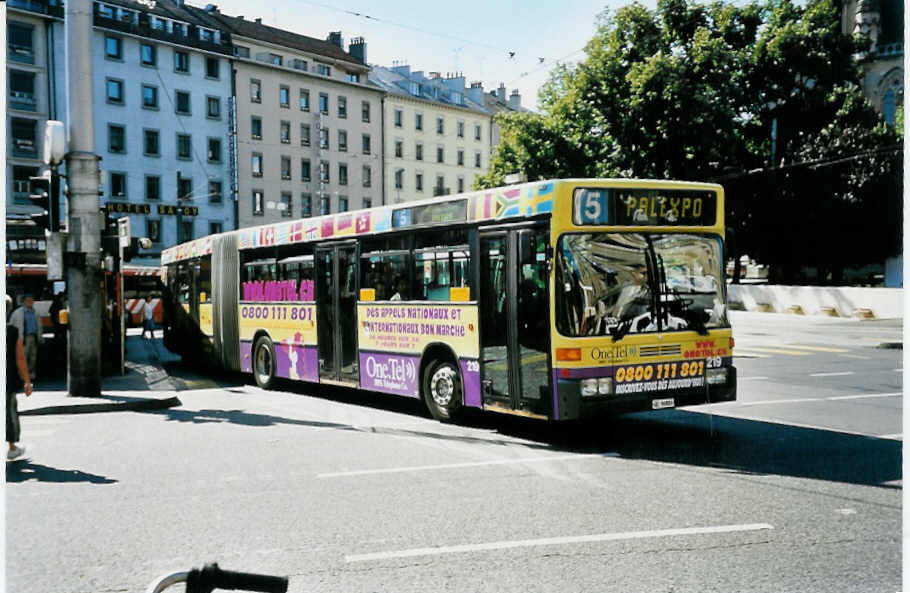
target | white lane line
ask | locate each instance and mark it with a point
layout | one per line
(796, 400)
(866, 395)
(816, 348)
(752, 378)
(773, 350)
(420, 468)
(857, 356)
(898, 370)
(552, 541)
(839, 374)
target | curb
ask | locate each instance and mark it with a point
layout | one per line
(135, 406)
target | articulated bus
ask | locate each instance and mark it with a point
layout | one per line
(555, 299)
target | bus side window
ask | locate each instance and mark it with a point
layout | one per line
(438, 271)
(387, 274)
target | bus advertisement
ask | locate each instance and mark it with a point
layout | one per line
(557, 299)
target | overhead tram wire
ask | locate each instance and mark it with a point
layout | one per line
(894, 149)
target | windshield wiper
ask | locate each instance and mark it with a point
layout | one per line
(619, 331)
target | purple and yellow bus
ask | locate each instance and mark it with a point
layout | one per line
(553, 299)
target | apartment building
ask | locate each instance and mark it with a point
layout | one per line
(162, 119)
(309, 124)
(437, 133)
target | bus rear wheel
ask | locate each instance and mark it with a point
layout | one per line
(442, 390)
(264, 363)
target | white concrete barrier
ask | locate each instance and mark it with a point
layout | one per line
(885, 303)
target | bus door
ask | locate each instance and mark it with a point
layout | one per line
(515, 327)
(336, 314)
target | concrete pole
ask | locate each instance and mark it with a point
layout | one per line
(84, 242)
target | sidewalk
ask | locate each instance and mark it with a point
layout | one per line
(145, 386)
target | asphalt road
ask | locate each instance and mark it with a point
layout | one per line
(795, 487)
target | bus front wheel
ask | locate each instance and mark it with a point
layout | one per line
(264, 362)
(442, 391)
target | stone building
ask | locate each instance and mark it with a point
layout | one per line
(883, 65)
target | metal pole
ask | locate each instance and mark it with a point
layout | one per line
(84, 241)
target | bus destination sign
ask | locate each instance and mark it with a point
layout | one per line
(644, 207)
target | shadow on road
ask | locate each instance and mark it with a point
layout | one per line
(23, 471)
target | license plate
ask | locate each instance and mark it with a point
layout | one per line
(660, 404)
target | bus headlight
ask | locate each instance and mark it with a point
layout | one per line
(605, 386)
(588, 387)
(716, 376)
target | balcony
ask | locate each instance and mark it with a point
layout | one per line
(21, 53)
(23, 100)
(144, 29)
(890, 50)
(25, 147)
(39, 6)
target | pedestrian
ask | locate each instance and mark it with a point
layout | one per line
(26, 320)
(148, 318)
(17, 377)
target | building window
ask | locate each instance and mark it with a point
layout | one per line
(25, 139)
(418, 121)
(440, 125)
(258, 206)
(22, 90)
(184, 147)
(255, 91)
(323, 137)
(323, 103)
(214, 152)
(212, 68)
(367, 176)
(113, 47)
(477, 159)
(241, 52)
(353, 77)
(365, 111)
(440, 189)
(116, 138)
(284, 96)
(342, 204)
(460, 158)
(440, 156)
(418, 151)
(153, 230)
(398, 118)
(306, 205)
(304, 100)
(256, 127)
(460, 129)
(185, 188)
(325, 206)
(399, 179)
(215, 191)
(477, 132)
(286, 204)
(343, 107)
(305, 169)
(285, 167)
(418, 181)
(19, 43)
(304, 134)
(342, 140)
(118, 186)
(323, 69)
(182, 102)
(151, 145)
(298, 64)
(149, 97)
(215, 228)
(342, 174)
(324, 171)
(460, 184)
(367, 203)
(181, 62)
(256, 164)
(285, 132)
(22, 185)
(399, 149)
(152, 188)
(213, 107)
(148, 54)
(186, 231)
(115, 91)
(366, 144)
(276, 60)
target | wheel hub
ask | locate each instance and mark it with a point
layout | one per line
(442, 386)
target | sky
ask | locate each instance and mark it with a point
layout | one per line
(474, 37)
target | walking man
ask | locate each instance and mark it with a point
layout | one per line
(16, 378)
(148, 318)
(26, 320)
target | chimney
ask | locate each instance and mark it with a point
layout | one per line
(515, 100)
(435, 75)
(501, 92)
(335, 39)
(475, 93)
(211, 8)
(403, 69)
(455, 82)
(358, 49)
(259, 21)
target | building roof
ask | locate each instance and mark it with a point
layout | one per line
(396, 83)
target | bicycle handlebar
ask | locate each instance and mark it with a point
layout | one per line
(210, 577)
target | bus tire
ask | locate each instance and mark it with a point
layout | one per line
(264, 362)
(442, 390)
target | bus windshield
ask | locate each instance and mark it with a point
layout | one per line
(614, 284)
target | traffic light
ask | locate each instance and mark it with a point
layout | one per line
(45, 194)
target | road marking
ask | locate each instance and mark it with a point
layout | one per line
(744, 352)
(838, 374)
(817, 348)
(845, 511)
(799, 400)
(732, 414)
(898, 370)
(782, 401)
(752, 378)
(856, 356)
(420, 468)
(866, 395)
(552, 541)
(750, 348)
